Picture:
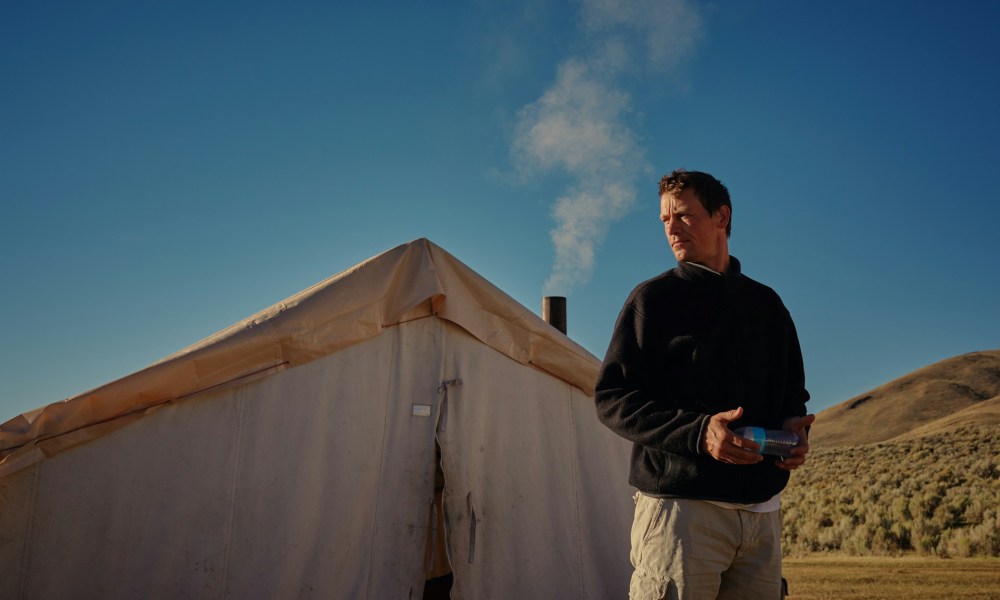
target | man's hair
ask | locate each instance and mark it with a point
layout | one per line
(712, 193)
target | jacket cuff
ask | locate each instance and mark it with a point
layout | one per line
(702, 427)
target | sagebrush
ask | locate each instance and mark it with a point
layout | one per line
(934, 496)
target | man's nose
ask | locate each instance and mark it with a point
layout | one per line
(672, 225)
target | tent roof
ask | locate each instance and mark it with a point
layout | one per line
(411, 281)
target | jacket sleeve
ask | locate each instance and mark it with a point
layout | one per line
(796, 395)
(627, 400)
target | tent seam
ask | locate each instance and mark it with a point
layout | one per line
(237, 456)
(381, 458)
(26, 556)
(440, 427)
(576, 492)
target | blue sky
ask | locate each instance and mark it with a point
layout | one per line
(172, 167)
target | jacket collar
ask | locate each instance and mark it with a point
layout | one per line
(696, 272)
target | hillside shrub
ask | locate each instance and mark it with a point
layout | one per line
(937, 495)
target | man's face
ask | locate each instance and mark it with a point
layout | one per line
(694, 235)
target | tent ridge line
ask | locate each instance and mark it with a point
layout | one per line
(409, 320)
(542, 368)
(276, 365)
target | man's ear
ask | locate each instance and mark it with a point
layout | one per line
(724, 213)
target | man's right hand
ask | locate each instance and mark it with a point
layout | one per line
(725, 446)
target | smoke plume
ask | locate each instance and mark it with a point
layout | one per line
(581, 125)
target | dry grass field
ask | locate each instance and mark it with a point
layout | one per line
(880, 578)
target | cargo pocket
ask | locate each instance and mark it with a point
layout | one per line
(649, 580)
(649, 515)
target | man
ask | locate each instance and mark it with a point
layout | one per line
(696, 353)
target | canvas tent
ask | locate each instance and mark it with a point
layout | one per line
(294, 455)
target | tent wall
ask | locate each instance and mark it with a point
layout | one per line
(536, 500)
(316, 482)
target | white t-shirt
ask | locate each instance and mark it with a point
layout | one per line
(761, 507)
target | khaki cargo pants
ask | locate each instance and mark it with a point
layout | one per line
(694, 550)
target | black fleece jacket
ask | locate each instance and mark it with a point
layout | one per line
(689, 344)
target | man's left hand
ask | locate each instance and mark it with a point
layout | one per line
(798, 426)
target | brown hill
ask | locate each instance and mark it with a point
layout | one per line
(946, 394)
(986, 412)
